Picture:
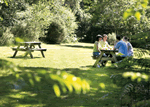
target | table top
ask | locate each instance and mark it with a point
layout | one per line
(30, 42)
(109, 50)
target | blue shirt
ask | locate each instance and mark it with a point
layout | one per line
(122, 47)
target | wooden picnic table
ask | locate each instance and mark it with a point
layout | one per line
(111, 52)
(28, 47)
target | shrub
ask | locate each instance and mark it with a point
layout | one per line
(140, 40)
(111, 38)
(24, 32)
(62, 27)
(7, 38)
(55, 33)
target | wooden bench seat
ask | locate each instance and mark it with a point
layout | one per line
(94, 57)
(103, 58)
(28, 50)
(20, 49)
(40, 49)
(24, 49)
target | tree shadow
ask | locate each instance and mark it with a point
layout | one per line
(22, 57)
(41, 93)
(78, 46)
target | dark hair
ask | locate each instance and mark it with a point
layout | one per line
(118, 37)
(126, 38)
(98, 36)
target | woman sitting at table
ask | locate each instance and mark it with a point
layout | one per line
(105, 44)
(97, 46)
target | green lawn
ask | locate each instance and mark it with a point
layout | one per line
(72, 58)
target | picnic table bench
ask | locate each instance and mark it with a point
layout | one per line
(100, 57)
(28, 47)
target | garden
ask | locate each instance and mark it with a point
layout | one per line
(67, 30)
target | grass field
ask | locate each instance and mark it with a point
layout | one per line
(73, 58)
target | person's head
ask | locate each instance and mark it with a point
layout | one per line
(104, 37)
(118, 37)
(125, 38)
(98, 37)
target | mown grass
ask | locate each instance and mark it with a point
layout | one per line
(72, 58)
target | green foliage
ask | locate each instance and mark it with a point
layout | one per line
(107, 17)
(7, 37)
(136, 9)
(111, 38)
(136, 76)
(59, 82)
(83, 17)
(140, 40)
(144, 103)
(23, 32)
(62, 27)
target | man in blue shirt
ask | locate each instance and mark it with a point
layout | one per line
(122, 48)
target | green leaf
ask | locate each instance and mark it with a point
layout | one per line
(139, 80)
(144, 3)
(144, 76)
(133, 77)
(29, 75)
(138, 15)
(17, 75)
(127, 13)
(37, 78)
(69, 86)
(6, 3)
(126, 74)
(54, 76)
(17, 39)
(31, 82)
(56, 90)
(102, 85)
(120, 54)
(1, 18)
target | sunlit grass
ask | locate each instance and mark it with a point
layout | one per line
(72, 58)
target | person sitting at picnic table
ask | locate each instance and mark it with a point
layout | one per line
(104, 43)
(122, 48)
(105, 46)
(129, 46)
(97, 46)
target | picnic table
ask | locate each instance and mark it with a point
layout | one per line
(28, 47)
(100, 57)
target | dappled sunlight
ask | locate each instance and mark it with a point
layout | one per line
(73, 64)
(98, 74)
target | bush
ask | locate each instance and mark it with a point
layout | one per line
(7, 38)
(140, 40)
(23, 32)
(62, 27)
(55, 33)
(111, 38)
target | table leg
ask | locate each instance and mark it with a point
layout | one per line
(16, 51)
(42, 54)
(41, 51)
(114, 56)
(98, 59)
(15, 54)
(31, 55)
(28, 52)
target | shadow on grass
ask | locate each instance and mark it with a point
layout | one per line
(22, 57)
(78, 46)
(41, 93)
